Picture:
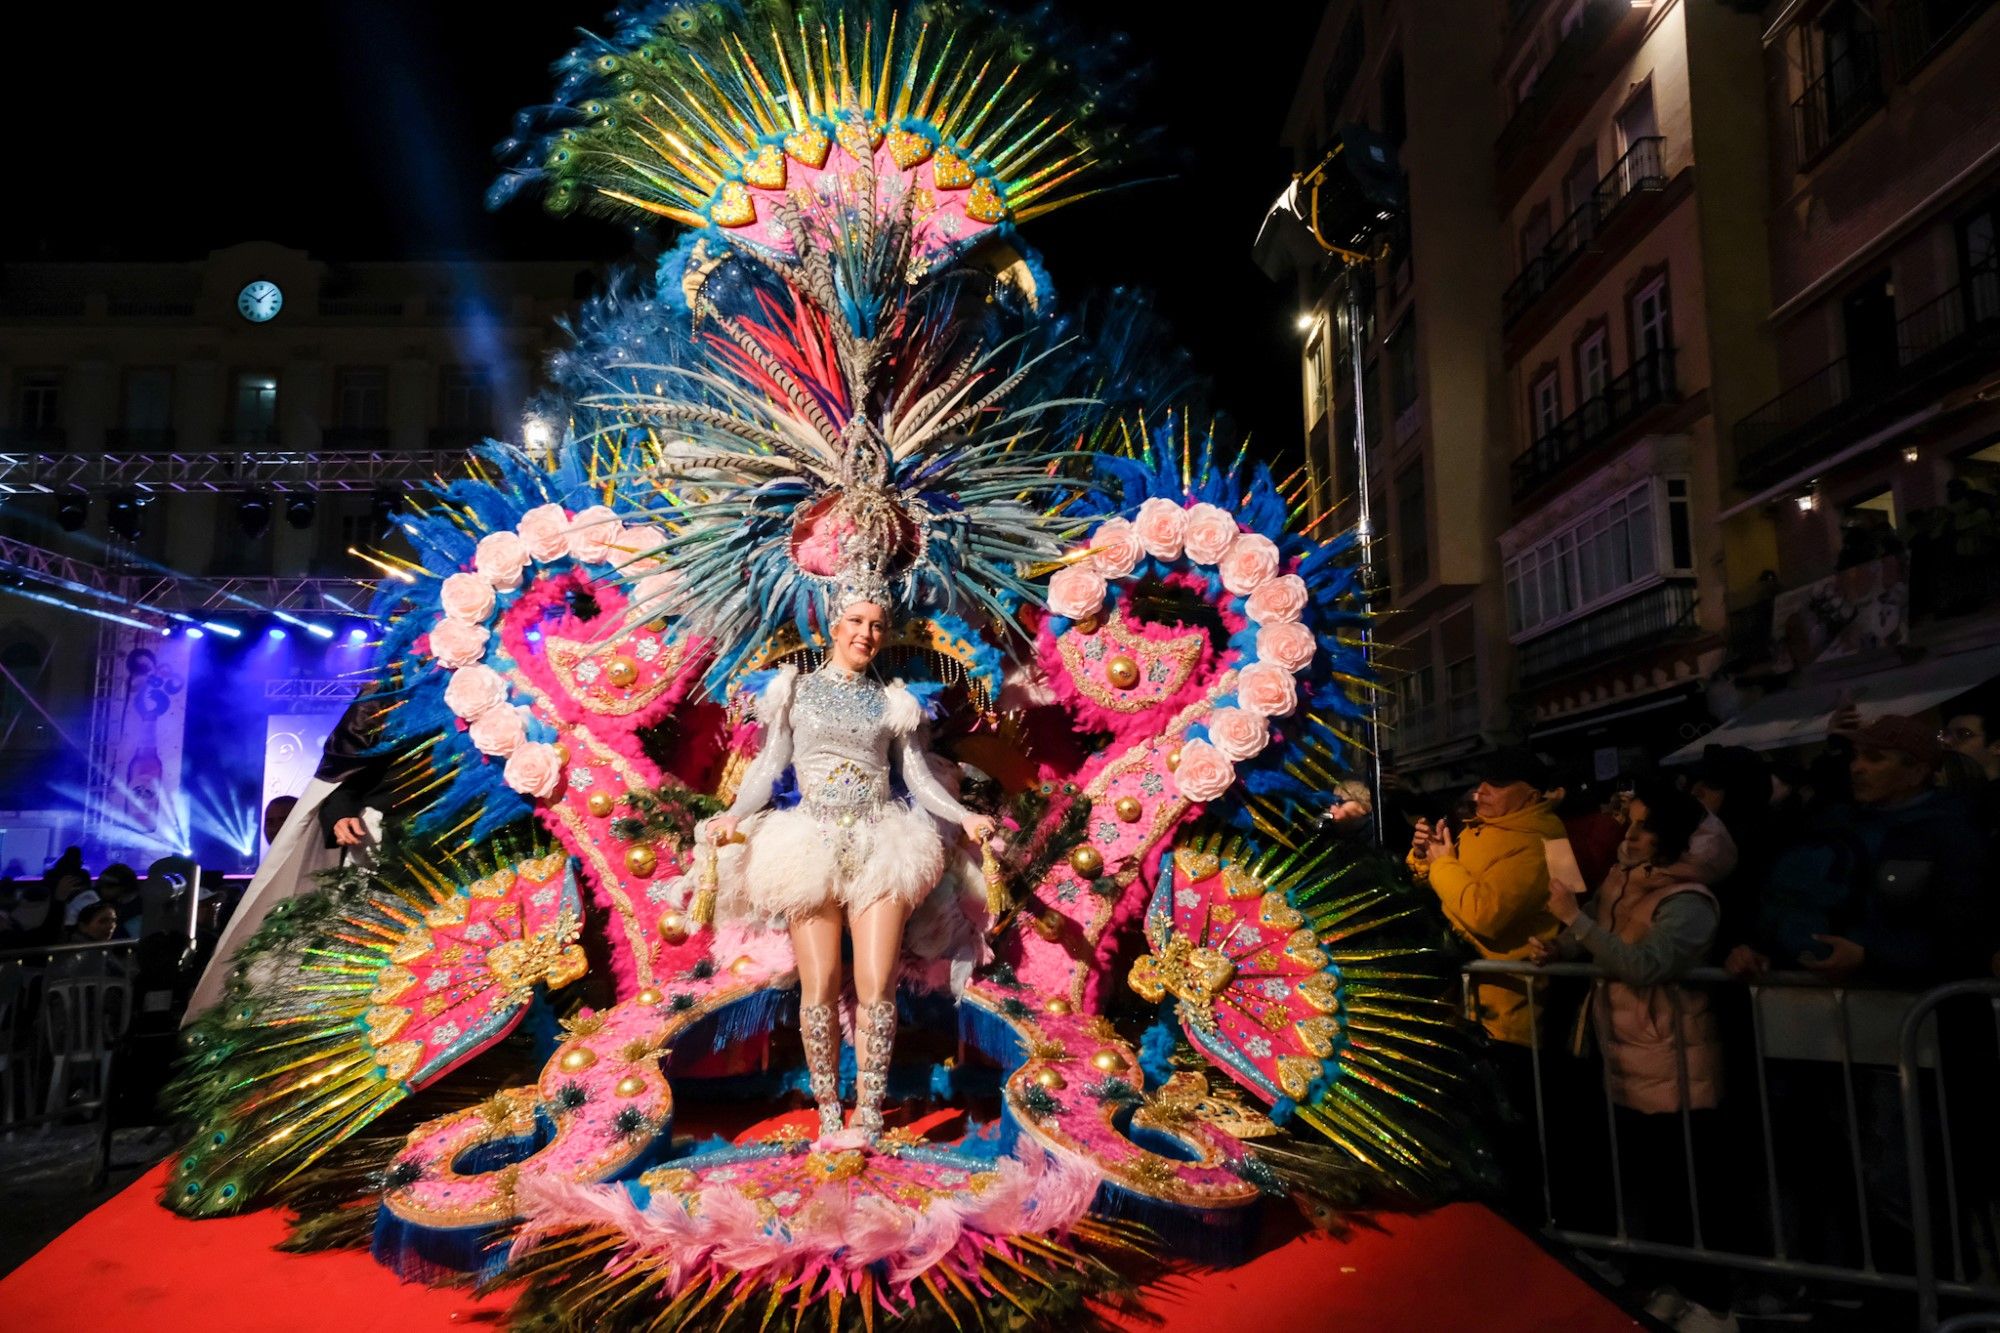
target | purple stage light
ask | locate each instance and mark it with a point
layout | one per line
(357, 635)
(195, 633)
(274, 633)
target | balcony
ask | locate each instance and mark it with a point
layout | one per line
(354, 438)
(1605, 35)
(1663, 611)
(1641, 170)
(1939, 344)
(1599, 423)
(361, 307)
(1838, 100)
(1919, 29)
(248, 437)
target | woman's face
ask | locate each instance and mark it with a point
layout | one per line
(98, 923)
(857, 635)
(1640, 844)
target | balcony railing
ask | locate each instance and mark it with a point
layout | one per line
(1641, 170)
(1839, 99)
(1417, 729)
(1660, 611)
(248, 437)
(1934, 342)
(1598, 19)
(360, 307)
(1921, 28)
(1598, 421)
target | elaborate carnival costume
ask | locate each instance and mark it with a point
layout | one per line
(849, 366)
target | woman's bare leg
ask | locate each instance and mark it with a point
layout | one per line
(816, 945)
(878, 947)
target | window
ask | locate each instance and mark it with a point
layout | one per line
(1373, 417)
(466, 399)
(1315, 368)
(1534, 234)
(1401, 348)
(1416, 692)
(1340, 72)
(1652, 329)
(1413, 540)
(149, 399)
(1395, 112)
(1979, 262)
(1459, 647)
(1637, 121)
(1601, 557)
(1571, 20)
(1529, 74)
(1580, 185)
(1593, 365)
(253, 410)
(361, 398)
(41, 399)
(1546, 405)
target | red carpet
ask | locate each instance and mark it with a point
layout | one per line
(132, 1267)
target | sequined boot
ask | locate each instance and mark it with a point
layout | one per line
(819, 1032)
(874, 1039)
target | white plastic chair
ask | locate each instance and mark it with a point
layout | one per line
(12, 984)
(82, 1019)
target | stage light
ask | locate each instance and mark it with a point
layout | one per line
(72, 511)
(194, 632)
(275, 633)
(217, 627)
(319, 631)
(538, 435)
(299, 510)
(357, 635)
(253, 513)
(124, 519)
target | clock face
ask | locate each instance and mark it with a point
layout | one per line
(259, 301)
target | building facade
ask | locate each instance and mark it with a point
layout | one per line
(1429, 343)
(229, 428)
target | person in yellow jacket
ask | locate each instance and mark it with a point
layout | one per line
(1494, 881)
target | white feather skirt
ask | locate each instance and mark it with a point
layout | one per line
(789, 866)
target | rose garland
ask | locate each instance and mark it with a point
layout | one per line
(1248, 564)
(476, 693)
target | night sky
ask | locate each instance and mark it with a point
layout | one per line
(364, 130)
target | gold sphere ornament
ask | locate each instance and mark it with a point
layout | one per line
(1129, 808)
(621, 671)
(650, 995)
(1059, 1005)
(562, 753)
(1173, 760)
(630, 1086)
(1087, 861)
(1110, 1061)
(599, 804)
(1049, 926)
(641, 861)
(1122, 672)
(577, 1058)
(674, 930)
(1089, 625)
(743, 965)
(1050, 1079)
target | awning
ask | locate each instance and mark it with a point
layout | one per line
(1798, 717)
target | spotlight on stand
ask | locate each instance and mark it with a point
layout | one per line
(72, 510)
(299, 510)
(126, 519)
(253, 513)
(1340, 207)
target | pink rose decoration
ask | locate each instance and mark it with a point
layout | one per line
(534, 769)
(591, 533)
(1288, 643)
(456, 644)
(1117, 546)
(1211, 530)
(633, 551)
(1252, 561)
(1077, 592)
(1283, 598)
(1204, 773)
(473, 690)
(545, 529)
(500, 559)
(1237, 733)
(467, 597)
(1162, 528)
(499, 731)
(1267, 689)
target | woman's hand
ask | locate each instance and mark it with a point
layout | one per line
(1542, 952)
(978, 828)
(721, 829)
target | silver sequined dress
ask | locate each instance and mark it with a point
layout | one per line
(850, 839)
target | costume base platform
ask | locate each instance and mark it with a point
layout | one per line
(131, 1265)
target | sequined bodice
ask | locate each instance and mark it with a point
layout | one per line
(840, 740)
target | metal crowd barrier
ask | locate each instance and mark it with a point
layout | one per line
(1844, 1027)
(63, 1012)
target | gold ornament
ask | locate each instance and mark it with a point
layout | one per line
(1050, 1079)
(1049, 925)
(1122, 672)
(562, 753)
(743, 965)
(641, 861)
(621, 672)
(1087, 861)
(630, 1086)
(1129, 808)
(1173, 760)
(674, 930)
(1089, 625)
(599, 804)
(577, 1058)
(1110, 1061)
(650, 995)
(1059, 1005)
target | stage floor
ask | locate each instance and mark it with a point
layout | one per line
(133, 1267)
